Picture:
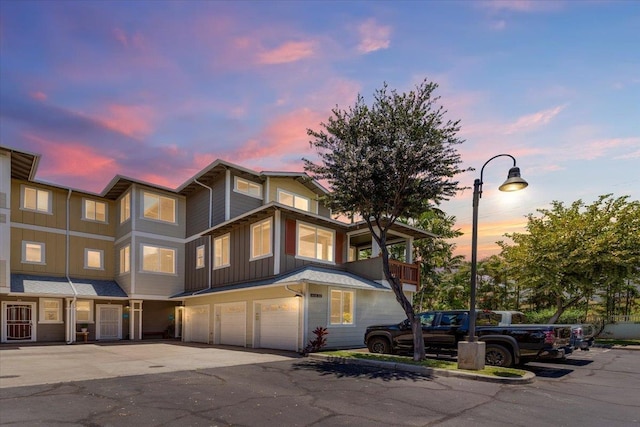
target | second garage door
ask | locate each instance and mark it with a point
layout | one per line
(231, 325)
(277, 323)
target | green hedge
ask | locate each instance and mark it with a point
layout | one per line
(569, 316)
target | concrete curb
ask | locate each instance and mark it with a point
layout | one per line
(528, 378)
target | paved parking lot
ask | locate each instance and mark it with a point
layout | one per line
(48, 364)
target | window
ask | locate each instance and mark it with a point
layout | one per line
(247, 187)
(93, 259)
(341, 307)
(36, 199)
(159, 207)
(33, 252)
(94, 210)
(294, 200)
(50, 310)
(125, 259)
(84, 311)
(221, 249)
(158, 260)
(261, 239)
(315, 242)
(125, 208)
(200, 256)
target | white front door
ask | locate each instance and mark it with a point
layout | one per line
(277, 323)
(231, 324)
(18, 321)
(196, 322)
(108, 322)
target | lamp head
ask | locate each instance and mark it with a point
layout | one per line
(514, 182)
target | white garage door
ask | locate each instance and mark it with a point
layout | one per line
(196, 322)
(232, 326)
(278, 323)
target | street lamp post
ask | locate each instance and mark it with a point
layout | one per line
(472, 355)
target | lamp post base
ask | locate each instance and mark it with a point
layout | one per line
(471, 355)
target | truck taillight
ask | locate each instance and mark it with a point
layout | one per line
(549, 337)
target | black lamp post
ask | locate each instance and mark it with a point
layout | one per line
(513, 183)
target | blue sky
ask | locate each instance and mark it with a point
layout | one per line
(156, 90)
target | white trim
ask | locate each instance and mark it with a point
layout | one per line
(34, 323)
(353, 308)
(249, 184)
(91, 312)
(257, 323)
(294, 196)
(332, 261)
(228, 248)
(204, 262)
(43, 253)
(61, 231)
(122, 249)
(175, 260)
(251, 242)
(49, 210)
(96, 202)
(277, 241)
(86, 259)
(217, 325)
(159, 196)
(227, 195)
(126, 195)
(99, 320)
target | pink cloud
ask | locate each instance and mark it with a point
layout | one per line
(135, 121)
(38, 95)
(373, 36)
(521, 5)
(288, 52)
(600, 148)
(535, 120)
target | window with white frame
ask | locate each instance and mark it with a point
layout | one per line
(84, 311)
(125, 207)
(36, 199)
(50, 310)
(261, 239)
(159, 207)
(221, 250)
(315, 242)
(33, 252)
(342, 307)
(247, 187)
(93, 259)
(294, 200)
(200, 257)
(158, 260)
(125, 259)
(94, 210)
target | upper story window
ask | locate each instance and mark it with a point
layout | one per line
(342, 307)
(125, 259)
(94, 210)
(200, 257)
(36, 199)
(248, 187)
(294, 200)
(158, 260)
(159, 207)
(33, 252)
(93, 259)
(315, 242)
(221, 251)
(50, 310)
(125, 207)
(261, 239)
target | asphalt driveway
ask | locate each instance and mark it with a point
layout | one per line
(47, 364)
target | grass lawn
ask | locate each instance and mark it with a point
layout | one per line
(430, 363)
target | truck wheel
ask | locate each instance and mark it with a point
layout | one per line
(497, 355)
(379, 345)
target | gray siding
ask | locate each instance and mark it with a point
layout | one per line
(162, 228)
(196, 278)
(323, 210)
(198, 212)
(241, 203)
(218, 201)
(158, 284)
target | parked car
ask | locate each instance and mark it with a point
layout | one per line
(442, 330)
(582, 336)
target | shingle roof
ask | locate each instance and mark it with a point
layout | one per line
(46, 285)
(308, 274)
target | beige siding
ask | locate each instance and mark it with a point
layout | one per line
(57, 219)
(92, 227)
(292, 186)
(54, 252)
(77, 258)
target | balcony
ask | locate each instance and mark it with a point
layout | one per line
(371, 268)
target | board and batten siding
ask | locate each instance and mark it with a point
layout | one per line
(219, 201)
(54, 252)
(76, 223)
(197, 212)
(241, 203)
(196, 278)
(56, 219)
(371, 307)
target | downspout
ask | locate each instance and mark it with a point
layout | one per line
(210, 225)
(71, 309)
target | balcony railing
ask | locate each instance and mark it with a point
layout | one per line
(407, 273)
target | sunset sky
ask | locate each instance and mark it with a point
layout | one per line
(157, 90)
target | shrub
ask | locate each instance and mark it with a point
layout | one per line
(317, 343)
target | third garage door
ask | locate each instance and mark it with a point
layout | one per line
(277, 323)
(232, 323)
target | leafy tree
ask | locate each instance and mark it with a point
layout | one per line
(572, 253)
(393, 159)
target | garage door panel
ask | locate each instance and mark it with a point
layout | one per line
(233, 324)
(279, 324)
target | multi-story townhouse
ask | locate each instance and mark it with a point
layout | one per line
(232, 256)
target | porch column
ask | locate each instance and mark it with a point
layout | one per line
(70, 321)
(409, 251)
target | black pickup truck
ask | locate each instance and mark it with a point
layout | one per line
(442, 330)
